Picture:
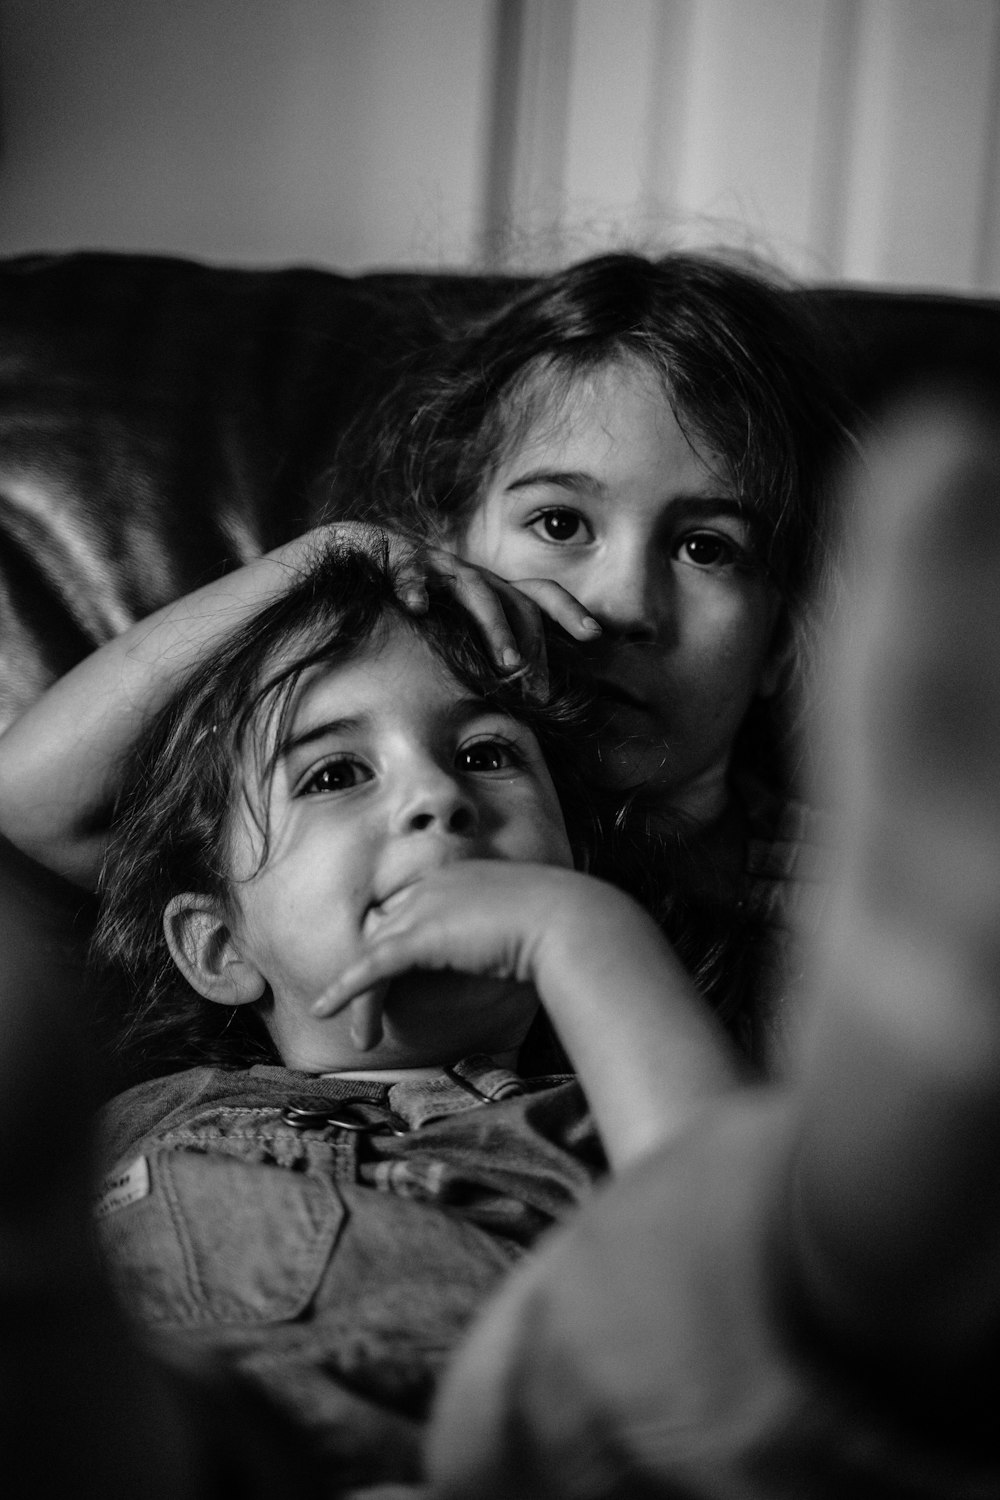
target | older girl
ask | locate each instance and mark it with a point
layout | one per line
(653, 440)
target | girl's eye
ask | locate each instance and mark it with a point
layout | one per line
(707, 549)
(487, 755)
(561, 525)
(338, 775)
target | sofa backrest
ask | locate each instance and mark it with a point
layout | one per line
(162, 420)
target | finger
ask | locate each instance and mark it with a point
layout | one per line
(561, 606)
(411, 564)
(411, 583)
(366, 1022)
(525, 619)
(528, 623)
(420, 940)
(351, 986)
(335, 998)
(409, 559)
(405, 556)
(414, 597)
(494, 607)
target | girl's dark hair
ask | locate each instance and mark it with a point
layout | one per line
(744, 370)
(184, 780)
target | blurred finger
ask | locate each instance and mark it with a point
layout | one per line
(366, 1022)
(352, 986)
(335, 998)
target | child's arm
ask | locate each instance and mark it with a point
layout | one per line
(646, 1048)
(59, 761)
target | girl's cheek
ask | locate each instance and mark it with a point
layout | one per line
(471, 534)
(492, 537)
(491, 552)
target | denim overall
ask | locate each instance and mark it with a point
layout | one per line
(330, 1239)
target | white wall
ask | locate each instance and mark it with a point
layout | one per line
(850, 138)
(347, 132)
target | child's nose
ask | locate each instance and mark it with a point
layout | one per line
(437, 800)
(631, 596)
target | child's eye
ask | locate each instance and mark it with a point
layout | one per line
(707, 549)
(561, 525)
(337, 775)
(488, 755)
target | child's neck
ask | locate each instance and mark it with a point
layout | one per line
(411, 1075)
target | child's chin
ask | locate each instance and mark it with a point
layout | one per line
(437, 1018)
(630, 755)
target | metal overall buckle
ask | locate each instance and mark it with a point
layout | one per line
(357, 1113)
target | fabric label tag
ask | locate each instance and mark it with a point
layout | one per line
(123, 1188)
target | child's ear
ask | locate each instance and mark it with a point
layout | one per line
(202, 946)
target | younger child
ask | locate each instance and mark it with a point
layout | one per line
(345, 1167)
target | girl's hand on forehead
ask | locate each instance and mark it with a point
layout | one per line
(510, 614)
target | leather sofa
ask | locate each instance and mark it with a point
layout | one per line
(162, 419)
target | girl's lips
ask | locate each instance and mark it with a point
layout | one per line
(387, 903)
(382, 908)
(612, 693)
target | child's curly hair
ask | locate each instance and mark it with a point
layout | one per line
(186, 776)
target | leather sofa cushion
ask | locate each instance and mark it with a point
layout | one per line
(162, 420)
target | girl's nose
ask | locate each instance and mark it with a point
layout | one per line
(631, 597)
(436, 800)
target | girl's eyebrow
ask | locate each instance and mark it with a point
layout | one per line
(461, 711)
(325, 729)
(579, 479)
(713, 505)
(566, 479)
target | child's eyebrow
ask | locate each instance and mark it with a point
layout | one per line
(567, 479)
(326, 729)
(463, 710)
(713, 505)
(578, 480)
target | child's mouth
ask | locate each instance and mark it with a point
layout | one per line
(375, 912)
(613, 697)
(384, 906)
(388, 903)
